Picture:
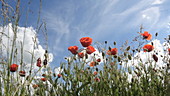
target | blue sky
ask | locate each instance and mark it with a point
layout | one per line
(103, 20)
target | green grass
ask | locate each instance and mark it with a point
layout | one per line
(113, 75)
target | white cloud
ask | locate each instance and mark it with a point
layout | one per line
(150, 15)
(145, 57)
(145, 16)
(142, 60)
(28, 46)
(58, 70)
(158, 2)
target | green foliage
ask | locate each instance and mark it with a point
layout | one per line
(114, 75)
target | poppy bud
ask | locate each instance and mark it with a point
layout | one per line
(39, 62)
(98, 60)
(27, 77)
(43, 75)
(154, 70)
(133, 51)
(97, 79)
(22, 73)
(152, 43)
(35, 86)
(97, 69)
(95, 73)
(59, 75)
(110, 48)
(105, 42)
(46, 51)
(54, 74)
(45, 62)
(114, 43)
(138, 74)
(88, 68)
(156, 34)
(155, 57)
(103, 54)
(86, 56)
(43, 79)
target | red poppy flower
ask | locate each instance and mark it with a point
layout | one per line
(43, 79)
(39, 62)
(97, 79)
(155, 57)
(81, 55)
(59, 75)
(148, 48)
(169, 51)
(82, 71)
(112, 63)
(113, 51)
(108, 52)
(13, 67)
(45, 62)
(90, 49)
(98, 60)
(92, 64)
(146, 35)
(44, 75)
(22, 73)
(35, 86)
(86, 41)
(95, 73)
(73, 49)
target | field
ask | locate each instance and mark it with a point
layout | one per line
(138, 68)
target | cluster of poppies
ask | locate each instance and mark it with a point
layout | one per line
(14, 67)
(86, 42)
(146, 35)
(89, 49)
(45, 63)
(39, 62)
(147, 47)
